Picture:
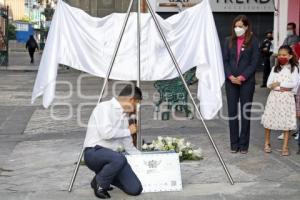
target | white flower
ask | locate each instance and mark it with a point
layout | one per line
(180, 142)
(168, 139)
(158, 145)
(181, 148)
(145, 146)
(169, 143)
(198, 152)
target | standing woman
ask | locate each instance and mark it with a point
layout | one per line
(240, 55)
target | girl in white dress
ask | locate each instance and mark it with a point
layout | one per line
(280, 110)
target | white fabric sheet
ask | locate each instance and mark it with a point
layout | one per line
(87, 43)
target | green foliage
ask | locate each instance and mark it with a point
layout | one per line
(25, 19)
(48, 12)
(11, 32)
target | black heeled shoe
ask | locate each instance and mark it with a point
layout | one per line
(244, 151)
(234, 150)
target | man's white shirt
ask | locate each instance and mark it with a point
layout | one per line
(108, 127)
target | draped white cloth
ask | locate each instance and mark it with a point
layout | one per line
(87, 43)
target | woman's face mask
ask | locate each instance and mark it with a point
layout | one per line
(239, 31)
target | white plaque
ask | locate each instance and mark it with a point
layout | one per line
(157, 171)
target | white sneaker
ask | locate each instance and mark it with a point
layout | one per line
(280, 137)
(297, 136)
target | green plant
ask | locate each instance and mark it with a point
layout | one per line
(48, 12)
(11, 32)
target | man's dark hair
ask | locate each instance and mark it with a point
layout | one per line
(268, 31)
(131, 91)
(292, 24)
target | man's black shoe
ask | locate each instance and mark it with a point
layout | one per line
(100, 193)
(263, 86)
(94, 184)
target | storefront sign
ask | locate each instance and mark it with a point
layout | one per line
(242, 5)
(157, 171)
(174, 5)
(217, 5)
(22, 27)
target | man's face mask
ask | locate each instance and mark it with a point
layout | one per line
(290, 32)
(270, 37)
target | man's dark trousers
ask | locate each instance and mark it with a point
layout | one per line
(31, 54)
(299, 137)
(112, 168)
(267, 69)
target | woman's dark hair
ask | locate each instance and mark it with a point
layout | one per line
(248, 34)
(131, 91)
(293, 61)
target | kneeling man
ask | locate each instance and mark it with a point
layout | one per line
(108, 129)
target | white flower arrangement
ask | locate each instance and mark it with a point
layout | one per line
(184, 149)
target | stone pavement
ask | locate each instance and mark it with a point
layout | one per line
(38, 151)
(20, 61)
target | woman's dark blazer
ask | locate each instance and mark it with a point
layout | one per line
(247, 63)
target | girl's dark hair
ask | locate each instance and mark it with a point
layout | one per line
(248, 34)
(293, 61)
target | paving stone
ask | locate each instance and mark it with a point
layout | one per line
(39, 163)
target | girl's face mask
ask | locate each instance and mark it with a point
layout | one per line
(283, 60)
(283, 57)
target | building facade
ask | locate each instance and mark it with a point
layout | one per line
(294, 13)
(265, 15)
(16, 9)
(3, 8)
(100, 8)
(286, 11)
